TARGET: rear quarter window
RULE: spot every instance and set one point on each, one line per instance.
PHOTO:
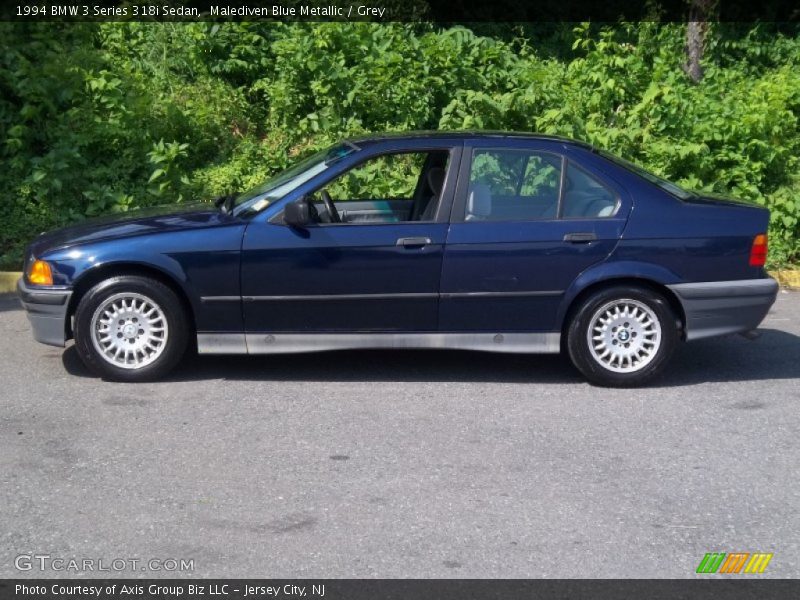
(585, 196)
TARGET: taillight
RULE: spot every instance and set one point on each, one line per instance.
(758, 251)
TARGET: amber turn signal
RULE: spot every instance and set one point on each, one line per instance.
(40, 274)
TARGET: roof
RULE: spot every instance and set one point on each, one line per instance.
(405, 135)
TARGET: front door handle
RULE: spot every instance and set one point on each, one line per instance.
(580, 238)
(413, 242)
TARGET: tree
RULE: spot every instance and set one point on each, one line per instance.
(696, 30)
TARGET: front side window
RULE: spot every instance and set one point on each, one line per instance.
(389, 188)
(513, 185)
(389, 176)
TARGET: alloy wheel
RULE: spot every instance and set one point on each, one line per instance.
(129, 330)
(624, 335)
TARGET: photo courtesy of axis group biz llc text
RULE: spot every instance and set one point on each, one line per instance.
(413, 300)
(175, 589)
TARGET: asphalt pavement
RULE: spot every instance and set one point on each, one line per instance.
(401, 463)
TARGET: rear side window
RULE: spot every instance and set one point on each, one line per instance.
(514, 185)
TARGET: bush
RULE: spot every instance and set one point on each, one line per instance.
(109, 117)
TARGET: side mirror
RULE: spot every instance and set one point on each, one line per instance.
(297, 214)
(225, 203)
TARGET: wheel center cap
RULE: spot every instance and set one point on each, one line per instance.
(129, 331)
(623, 335)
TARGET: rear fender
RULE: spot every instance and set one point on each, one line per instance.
(610, 271)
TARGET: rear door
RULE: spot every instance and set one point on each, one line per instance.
(526, 221)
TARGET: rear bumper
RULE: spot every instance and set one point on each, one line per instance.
(47, 313)
(721, 307)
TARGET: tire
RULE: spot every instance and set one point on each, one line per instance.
(131, 328)
(622, 336)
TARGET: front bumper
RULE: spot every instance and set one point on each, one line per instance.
(47, 312)
(721, 307)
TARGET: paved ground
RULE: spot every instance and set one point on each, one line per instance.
(401, 464)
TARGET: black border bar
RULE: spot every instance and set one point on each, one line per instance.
(731, 588)
(438, 11)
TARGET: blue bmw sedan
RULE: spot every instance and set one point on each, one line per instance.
(498, 242)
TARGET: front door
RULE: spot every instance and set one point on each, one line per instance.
(373, 266)
(526, 222)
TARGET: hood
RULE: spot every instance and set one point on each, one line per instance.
(137, 222)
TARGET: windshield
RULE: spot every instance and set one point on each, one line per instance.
(261, 196)
(665, 185)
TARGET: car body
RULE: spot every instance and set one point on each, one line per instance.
(471, 240)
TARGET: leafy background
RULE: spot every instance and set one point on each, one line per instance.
(107, 117)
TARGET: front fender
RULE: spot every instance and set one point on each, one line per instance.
(199, 263)
(72, 266)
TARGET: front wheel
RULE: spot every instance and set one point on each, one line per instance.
(622, 336)
(130, 328)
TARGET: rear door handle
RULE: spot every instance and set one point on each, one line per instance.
(413, 242)
(580, 238)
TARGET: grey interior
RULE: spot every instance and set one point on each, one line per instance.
(392, 210)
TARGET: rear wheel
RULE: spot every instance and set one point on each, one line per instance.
(130, 328)
(622, 336)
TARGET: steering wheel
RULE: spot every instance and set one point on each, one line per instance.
(329, 206)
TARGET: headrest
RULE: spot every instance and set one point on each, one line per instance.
(607, 211)
(479, 201)
(436, 180)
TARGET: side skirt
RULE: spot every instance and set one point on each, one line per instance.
(290, 343)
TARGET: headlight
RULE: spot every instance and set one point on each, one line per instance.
(39, 273)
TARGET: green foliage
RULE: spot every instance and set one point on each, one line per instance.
(391, 176)
(167, 178)
(109, 117)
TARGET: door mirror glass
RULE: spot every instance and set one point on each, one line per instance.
(297, 214)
